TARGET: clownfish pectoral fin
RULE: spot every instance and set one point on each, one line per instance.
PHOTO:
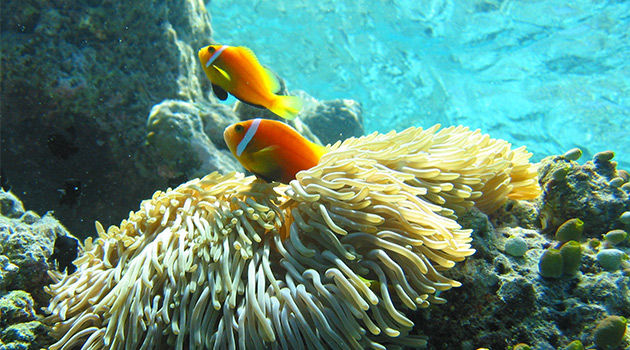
(219, 92)
(266, 153)
(224, 78)
(223, 73)
(266, 161)
(267, 166)
(287, 107)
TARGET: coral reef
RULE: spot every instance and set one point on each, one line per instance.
(333, 120)
(331, 260)
(20, 326)
(177, 131)
(27, 242)
(78, 82)
(505, 294)
(571, 190)
(76, 114)
(511, 303)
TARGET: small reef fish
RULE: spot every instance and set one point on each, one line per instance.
(236, 70)
(65, 252)
(272, 150)
(70, 193)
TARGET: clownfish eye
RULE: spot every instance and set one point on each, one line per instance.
(239, 128)
(211, 49)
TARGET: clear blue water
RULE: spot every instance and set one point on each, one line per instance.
(543, 74)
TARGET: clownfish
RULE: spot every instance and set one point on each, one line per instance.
(272, 150)
(236, 70)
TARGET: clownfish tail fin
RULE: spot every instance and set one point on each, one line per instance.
(287, 107)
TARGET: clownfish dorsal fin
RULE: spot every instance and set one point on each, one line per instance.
(270, 80)
(249, 54)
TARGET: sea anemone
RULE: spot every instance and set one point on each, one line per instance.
(331, 260)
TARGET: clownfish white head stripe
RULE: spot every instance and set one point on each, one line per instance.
(249, 135)
(216, 54)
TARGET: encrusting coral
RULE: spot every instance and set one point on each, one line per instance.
(329, 261)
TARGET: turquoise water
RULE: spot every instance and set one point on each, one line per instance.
(543, 74)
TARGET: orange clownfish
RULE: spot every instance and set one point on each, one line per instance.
(272, 150)
(236, 70)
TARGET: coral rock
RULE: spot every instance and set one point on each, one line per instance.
(584, 193)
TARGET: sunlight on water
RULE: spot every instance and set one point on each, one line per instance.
(544, 74)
